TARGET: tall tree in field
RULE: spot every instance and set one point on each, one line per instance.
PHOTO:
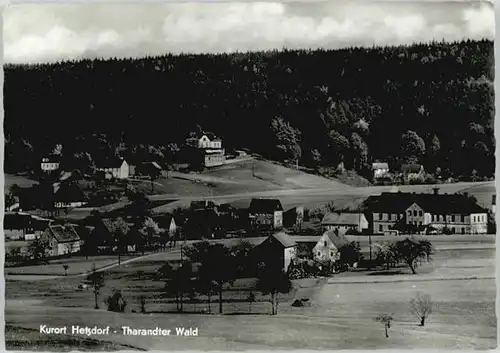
(273, 281)
(421, 307)
(97, 282)
(178, 282)
(410, 250)
(120, 230)
(150, 230)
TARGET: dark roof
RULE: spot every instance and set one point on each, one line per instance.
(107, 162)
(338, 240)
(280, 238)
(411, 168)
(68, 192)
(24, 221)
(343, 218)
(63, 234)
(398, 202)
(265, 206)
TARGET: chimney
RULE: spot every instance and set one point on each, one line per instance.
(435, 191)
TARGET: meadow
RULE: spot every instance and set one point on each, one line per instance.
(341, 315)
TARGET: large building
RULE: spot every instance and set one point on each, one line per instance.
(207, 150)
(266, 214)
(425, 213)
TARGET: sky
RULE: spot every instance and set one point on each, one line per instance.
(55, 32)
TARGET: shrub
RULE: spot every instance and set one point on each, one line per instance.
(116, 302)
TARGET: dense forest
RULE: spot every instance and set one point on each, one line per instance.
(429, 103)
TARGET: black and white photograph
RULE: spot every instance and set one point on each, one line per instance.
(249, 176)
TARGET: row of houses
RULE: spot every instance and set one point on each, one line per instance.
(204, 149)
(409, 172)
(424, 213)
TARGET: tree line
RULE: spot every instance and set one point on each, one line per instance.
(429, 103)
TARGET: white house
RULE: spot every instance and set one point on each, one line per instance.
(61, 240)
(23, 226)
(326, 250)
(380, 169)
(419, 213)
(344, 221)
(114, 168)
(49, 164)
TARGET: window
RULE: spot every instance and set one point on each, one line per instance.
(414, 213)
(420, 213)
(325, 244)
(380, 228)
(319, 253)
(331, 253)
(463, 230)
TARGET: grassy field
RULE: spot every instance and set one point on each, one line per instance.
(77, 265)
(341, 315)
(21, 181)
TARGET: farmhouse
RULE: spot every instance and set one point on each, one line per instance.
(23, 226)
(342, 222)
(68, 195)
(113, 168)
(380, 169)
(266, 214)
(277, 250)
(326, 250)
(412, 171)
(50, 163)
(410, 212)
(61, 240)
(209, 150)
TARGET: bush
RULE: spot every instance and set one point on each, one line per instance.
(116, 302)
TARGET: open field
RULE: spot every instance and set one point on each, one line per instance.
(340, 316)
(21, 181)
(77, 265)
(342, 196)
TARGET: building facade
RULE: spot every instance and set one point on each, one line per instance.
(114, 168)
(342, 222)
(427, 213)
(266, 214)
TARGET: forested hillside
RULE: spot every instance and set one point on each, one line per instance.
(431, 103)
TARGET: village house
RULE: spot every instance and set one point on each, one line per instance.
(23, 226)
(266, 214)
(380, 169)
(277, 251)
(342, 222)
(62, 240)
(412, 171)
(113, 168)
(50, 163)
(326, 250)
(209, 152)
(455, 213)
(68, 195)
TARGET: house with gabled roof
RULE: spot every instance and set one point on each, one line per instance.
(411, 212)
(266, 214)
(50, 163)
(113, 167)
(380, 169)
(412, 171)
(326, 250)
(208, 150)
(23, 226)
(345, 221)
(68, 195)
(61, 240)
(278, 250)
